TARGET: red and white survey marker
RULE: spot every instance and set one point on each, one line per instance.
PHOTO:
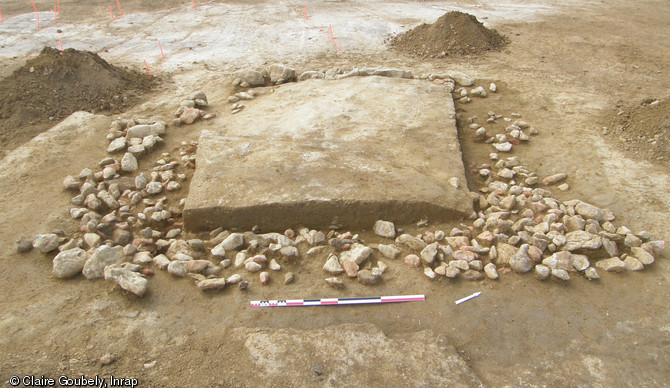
(336, 301)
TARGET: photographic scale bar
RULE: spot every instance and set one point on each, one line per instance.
(336, 301)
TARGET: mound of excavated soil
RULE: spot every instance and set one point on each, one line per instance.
(454, 33)
(643, 129)
(53, 85)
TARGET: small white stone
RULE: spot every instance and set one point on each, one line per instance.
(384, 229)
(274, 265)
(491, 271)
(503, 147)
(429, 273)
(252, 266)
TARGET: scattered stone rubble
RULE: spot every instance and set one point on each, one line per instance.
(126, 229)
(189, 110)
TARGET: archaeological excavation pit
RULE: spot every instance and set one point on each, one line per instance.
(322, 152)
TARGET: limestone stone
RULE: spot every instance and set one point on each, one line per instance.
(129, 162)
(102, 257)
(553, 179)
(310, 75)
(491, 271)
(613, 264)
(253, 78)
(472, 275)
(591, 274)
(542, 272)
(289, 251)
(429, 252)
(632, 241)
(366, 277)
(335, 282)
(161, 261)
(384, 229)
(580, 262)
(46, 242)
(505, 253)
(252, 266)
(280, 74)
(642, 255)
(231, 243)
(467, 256)
(389, 251)
(411, 241)
(560, 260)
(560, 274)
(610, 247)
(69, 263)
(520, 262)
(212, 284)
(580, 239)
(333, 265)
(412, 260)
(141, 131)
(126, 279)
(118, 144)
(358, 253)
(452, 272)
(589, 211)
(633, 264)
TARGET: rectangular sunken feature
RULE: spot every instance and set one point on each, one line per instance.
(319, 152)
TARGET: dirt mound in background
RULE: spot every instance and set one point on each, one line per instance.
(643, 129)
(454, 33)
(53, 85)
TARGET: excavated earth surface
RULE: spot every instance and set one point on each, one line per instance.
(642, 130)
(565, 70)
(55, 84)
(454, 33)
(314, 153)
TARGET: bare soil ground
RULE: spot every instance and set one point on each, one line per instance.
(454, 33)
(55, 84)
(642, 129)
(563, 72)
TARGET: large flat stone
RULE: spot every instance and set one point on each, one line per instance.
(350, 151)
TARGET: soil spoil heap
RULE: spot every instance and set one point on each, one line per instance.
(55, 84)
(454, 33)
(643, 129)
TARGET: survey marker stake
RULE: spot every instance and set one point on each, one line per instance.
(336, 301)
(467, 298)
(147, 66)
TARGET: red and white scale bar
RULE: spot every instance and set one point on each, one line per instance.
(336, 301)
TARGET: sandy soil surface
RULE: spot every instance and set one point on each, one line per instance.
(564, 71)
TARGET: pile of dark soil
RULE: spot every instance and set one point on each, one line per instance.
(53, 85)
(454, 33)
(643, 129)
